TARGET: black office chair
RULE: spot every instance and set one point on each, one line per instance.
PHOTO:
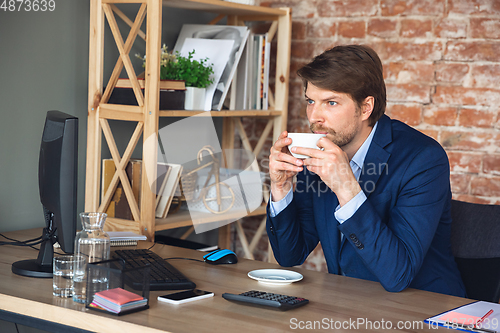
(475, 243)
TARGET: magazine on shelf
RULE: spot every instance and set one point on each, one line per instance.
(237, 34)
(218, 52)
(168, 190)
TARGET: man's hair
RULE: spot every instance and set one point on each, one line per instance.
(355, 70)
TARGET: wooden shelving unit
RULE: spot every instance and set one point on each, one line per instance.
(147, 113)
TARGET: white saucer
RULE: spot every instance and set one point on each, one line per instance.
(275, 276)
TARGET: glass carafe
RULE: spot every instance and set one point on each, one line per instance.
(92, 243)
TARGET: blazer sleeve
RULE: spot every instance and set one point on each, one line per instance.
(292, 233)
(393, 247)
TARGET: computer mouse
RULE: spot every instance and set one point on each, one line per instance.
(221, 256)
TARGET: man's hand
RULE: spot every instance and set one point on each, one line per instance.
(332, 165)
(282, 167)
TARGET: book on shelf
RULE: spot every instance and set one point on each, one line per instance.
(172, 181)
(253, 74)
(266, 64)
(117, 300)
(162, 174)
(237, 34)
(243, 78)
(119, 206)
(263, 49)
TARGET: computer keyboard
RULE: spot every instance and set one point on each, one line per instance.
(264, 299)
(163, 276)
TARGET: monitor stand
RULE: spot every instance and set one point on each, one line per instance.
(40, 267)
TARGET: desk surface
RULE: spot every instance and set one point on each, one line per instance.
(335, 301)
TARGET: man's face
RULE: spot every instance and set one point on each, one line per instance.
(334, 114)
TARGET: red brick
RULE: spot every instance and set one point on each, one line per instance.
(296, 108)
(384, 28)
(298, 30)
(466, 96)
(473, 51)
(296, 90)
(416, 28)
(316, 260)
(484, 28)
(430, 132)
(338, 8)
(491, 164)
(440, 115)
(323, 45)
(490, 7)
(409, 114)
(476, 118)
(401, 51)
(298, 125)
(460, 183)
(470, 141)
(485, 186)
(302, 49)
(451, 72)
(321, 29)
(412, 7)
(352, 29)
(408, 93)
(408, 72)
(295, 66)
(486, 76)
(464, 161)
(451, 28)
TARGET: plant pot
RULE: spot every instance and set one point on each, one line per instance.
(195, 98)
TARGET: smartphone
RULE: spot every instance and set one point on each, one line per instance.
(185, 296)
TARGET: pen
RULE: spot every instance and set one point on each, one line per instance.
(484, 317)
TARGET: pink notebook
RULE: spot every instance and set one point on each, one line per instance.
(119, 296)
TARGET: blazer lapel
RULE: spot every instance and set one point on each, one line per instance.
(375, 163)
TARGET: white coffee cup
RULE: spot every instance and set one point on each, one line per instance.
(307, 140)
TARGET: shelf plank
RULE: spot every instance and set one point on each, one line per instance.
(225, 7)
(183, 218)
(226, 113)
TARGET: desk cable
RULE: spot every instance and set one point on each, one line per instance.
(29, 242)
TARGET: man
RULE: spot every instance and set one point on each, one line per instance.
(377, 195)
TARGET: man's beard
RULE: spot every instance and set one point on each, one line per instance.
(340, 139)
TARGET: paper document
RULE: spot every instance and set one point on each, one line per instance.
(467, 318)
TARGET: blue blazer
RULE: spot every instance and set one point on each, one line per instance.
(400, 236)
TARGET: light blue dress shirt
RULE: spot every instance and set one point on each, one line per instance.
(345, 212)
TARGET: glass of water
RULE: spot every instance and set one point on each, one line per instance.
(62, 277)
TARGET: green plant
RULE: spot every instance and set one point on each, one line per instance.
(176, 67)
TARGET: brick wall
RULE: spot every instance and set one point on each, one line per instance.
(442, 70)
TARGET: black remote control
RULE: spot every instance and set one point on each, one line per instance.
(264, 299)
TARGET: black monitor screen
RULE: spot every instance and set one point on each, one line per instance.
(57, 180)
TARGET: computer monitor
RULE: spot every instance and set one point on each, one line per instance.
(57, 182)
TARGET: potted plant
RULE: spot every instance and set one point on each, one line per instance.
(196, 75)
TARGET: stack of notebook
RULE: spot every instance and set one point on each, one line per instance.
(118, 300)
